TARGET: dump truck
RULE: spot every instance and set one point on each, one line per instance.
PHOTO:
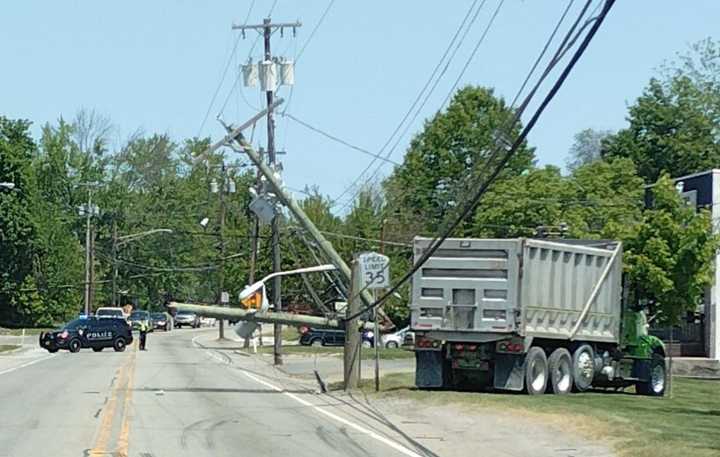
(531, 315)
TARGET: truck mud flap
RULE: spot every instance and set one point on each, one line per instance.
(509, 373)
(429, 369)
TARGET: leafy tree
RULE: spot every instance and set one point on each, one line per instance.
(17, 231)
(669, 260)
(599, 200)
(675, 124)
(517, 206)
(453, 144)
(586, 147)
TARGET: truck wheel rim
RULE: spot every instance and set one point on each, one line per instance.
(657, 379)
(585, 367)
(537, 370)
(562, 374)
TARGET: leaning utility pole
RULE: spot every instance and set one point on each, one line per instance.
(267, 28)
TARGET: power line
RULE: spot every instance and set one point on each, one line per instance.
(314, 30)
(473, 202)
(409, 124)
(336, 139)
(419, 109)
(224, 74)
(554, 60)
(472, 54)
(432, 76)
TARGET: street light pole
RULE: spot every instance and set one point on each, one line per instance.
(117, 242)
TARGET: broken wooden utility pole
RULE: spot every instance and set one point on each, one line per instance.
(221, 312)
(351, 356)
(274, 182)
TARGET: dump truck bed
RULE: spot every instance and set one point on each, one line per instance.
(484, 288)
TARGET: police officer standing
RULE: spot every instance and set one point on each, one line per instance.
(143, 334)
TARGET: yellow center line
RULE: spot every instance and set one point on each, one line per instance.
(124, 381)
(123, 439)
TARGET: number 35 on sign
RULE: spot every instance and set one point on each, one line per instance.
(375, 270)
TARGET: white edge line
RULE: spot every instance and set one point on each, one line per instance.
(10, 370)
(398, 447)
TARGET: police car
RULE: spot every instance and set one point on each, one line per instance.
(91, 332)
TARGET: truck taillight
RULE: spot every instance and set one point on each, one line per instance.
(459, 347)
(472, 347)
(510, 346)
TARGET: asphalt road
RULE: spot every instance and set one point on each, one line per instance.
(184, 396)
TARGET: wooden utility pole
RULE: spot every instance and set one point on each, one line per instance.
(221, 249)
(115, 262)
(267, 28)
(88, 256)
(351, 359)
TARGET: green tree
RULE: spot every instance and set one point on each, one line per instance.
(586, 147)
(453, 144)
(18, 233)
(669, 260)
(675, 124)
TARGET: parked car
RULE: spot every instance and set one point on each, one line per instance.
(368, 339)
(161, 320)
(109, 311)
(139, 317)
(322, 337)
(327, 337)
(397, 339)
(186, 319)
(208, 321)
(91, 332)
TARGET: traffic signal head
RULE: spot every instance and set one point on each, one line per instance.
(254, 301)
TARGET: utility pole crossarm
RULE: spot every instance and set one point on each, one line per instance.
(237, 131)
(275, 25)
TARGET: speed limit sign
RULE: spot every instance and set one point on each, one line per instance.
(375, 270)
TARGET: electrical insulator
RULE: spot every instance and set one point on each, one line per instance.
(231, 187)
(213, 186)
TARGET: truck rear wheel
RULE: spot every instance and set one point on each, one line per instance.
(560, 366)
(655, 385)
(583, 367)
(536, 371)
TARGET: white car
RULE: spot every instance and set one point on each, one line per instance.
(109, 311)
(395, 340)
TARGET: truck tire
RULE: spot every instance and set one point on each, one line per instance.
(560, 365)
(583, 367)
(655, 386)
(536, 371)
(74, 345)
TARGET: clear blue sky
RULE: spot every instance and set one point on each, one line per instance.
(156, 64)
